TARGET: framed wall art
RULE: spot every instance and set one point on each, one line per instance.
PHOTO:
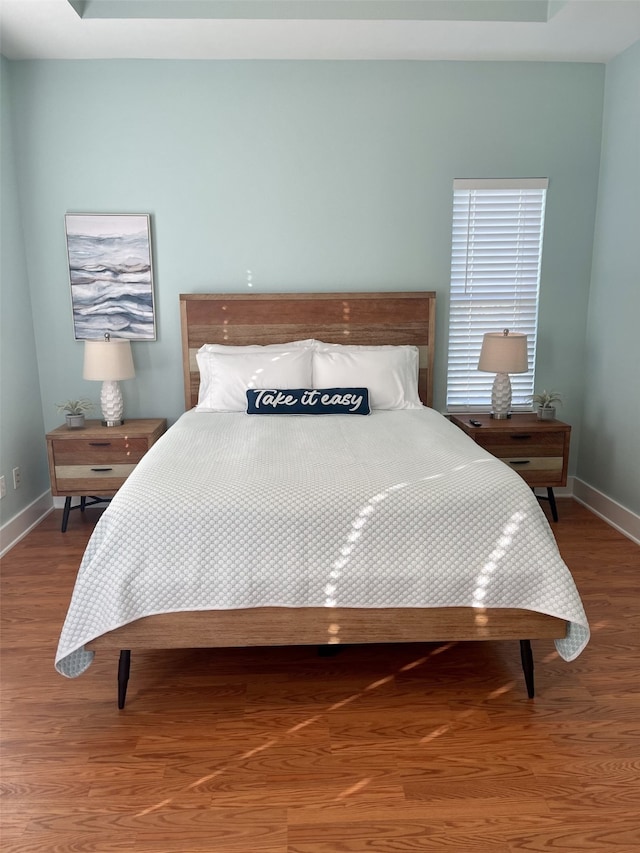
(111, 275)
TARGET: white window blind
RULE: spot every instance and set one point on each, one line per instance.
(495, 277)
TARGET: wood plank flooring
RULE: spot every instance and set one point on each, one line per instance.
(385, 749)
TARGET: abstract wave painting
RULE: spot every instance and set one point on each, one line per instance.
(111, 276)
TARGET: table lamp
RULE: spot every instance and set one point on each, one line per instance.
(109, 360)
(503, 353)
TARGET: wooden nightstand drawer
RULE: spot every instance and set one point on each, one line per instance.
(506, 444)
(99, 450)
(87, 479)
(542, 470)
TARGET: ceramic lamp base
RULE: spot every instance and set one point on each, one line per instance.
(501, 397)
(112, 403)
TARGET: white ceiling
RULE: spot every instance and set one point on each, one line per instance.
(571, 31)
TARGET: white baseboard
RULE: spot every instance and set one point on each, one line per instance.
(17, 527)
(618, 516)
(563, 491)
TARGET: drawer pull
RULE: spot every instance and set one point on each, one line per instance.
(100, 443)
(519, 461)
(521, 436)
(102, 469)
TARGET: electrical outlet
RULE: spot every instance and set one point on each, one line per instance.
(17, 478)
(3, 487)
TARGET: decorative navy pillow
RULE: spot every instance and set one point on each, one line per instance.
(308, 401)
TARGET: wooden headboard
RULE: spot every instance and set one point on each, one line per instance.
(336, 318)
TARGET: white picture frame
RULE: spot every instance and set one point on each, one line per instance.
(111, 275)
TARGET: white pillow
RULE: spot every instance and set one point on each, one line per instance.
(389, 372)
(225, 377)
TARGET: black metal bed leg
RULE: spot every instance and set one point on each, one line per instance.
(124, 666)
(330, 651)
(527, 666)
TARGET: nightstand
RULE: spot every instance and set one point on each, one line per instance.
(95, 460)
(538, 450)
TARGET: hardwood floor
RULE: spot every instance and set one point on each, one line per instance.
(385, 749)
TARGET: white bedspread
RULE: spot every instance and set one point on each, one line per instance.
(397, 509)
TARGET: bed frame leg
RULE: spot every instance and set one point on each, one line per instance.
(330, 651)
(527, 666)
(124, 666)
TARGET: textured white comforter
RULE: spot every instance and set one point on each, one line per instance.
(397, 509)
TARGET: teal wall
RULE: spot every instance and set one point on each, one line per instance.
(313, 175)
(609, 458)
(21, 424)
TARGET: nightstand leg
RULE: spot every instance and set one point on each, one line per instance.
(65, 513)
(124, 666)
(526, 656)
(551, 498)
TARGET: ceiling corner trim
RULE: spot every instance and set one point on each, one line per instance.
(522, 11)
(78, 7)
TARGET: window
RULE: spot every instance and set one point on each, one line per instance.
(495, 277)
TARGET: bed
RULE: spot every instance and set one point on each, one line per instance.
(269, 538)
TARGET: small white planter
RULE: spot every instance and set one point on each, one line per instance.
(547, 414)
(75, 421)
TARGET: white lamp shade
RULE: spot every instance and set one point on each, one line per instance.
(504, 353)
(108, 360)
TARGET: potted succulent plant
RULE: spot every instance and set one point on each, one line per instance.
(546, 402)
(74, 411)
